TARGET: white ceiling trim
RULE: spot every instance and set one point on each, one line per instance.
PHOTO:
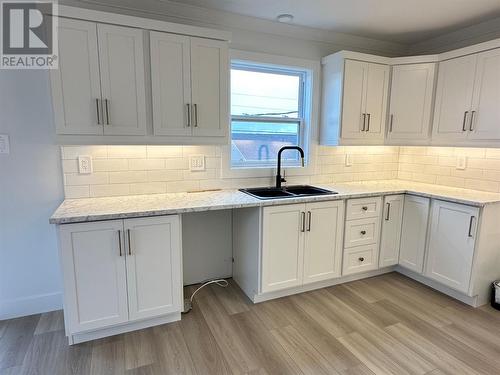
(198, 16)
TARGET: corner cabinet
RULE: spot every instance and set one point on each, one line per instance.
(354, 101)
(120, 271)
(414, 233)
(99, 88)
(189, 85)
(411, 103)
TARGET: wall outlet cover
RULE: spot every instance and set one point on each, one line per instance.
(85, 164)
(461, 162)
(197, 163)
(348, 160)
(4, 144)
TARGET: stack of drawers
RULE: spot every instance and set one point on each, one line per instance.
(362, 232)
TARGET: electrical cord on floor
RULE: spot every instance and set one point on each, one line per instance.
(188, 302)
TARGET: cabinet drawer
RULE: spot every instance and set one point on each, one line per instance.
(360, 259)
(363, 208)
(361, 232)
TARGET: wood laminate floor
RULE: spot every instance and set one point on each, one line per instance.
(384, 325)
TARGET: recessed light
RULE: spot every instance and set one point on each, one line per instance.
(285, 18)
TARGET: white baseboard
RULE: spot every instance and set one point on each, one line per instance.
(41, 303)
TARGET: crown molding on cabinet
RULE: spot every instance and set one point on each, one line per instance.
(142, 23)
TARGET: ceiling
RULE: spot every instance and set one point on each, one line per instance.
(402, 21)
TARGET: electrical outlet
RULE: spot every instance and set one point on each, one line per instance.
(461, 162)
(4, 144)
(85, 164)
(197, 162)
(348, 160)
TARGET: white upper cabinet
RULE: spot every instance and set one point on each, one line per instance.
(364, 101)
(485, 114)
(99, 87)
(354, 101)
(454, 98)
(391, 230)
(412, 92)
(190, 86)
(451, 244)
(76, 86)
(171, 83)
(121, 58)
(209, 87)
(414, 233)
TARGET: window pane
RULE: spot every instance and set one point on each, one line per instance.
(257, 143)
(255, 93)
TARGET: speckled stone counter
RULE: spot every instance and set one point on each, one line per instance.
(95, 209)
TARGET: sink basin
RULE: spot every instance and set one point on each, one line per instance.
(293, 191)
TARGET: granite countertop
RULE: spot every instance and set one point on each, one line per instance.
(95, 209)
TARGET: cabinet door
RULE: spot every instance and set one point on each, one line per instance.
(283, 230)
(411, 101)
(76, 88)
(377, 87)
(153, 266)
(93, 262)
(171, 83)
(209, 87)
(451, 244)
(486, 116)
(454, 98)
(414, 233)
(323, 243)
(353, 104)
(121, 57)
(391, 230)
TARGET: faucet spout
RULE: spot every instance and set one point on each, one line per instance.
(280, 179)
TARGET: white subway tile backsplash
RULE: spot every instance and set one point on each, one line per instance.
(123, 170)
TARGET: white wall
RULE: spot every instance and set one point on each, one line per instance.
(30, 189)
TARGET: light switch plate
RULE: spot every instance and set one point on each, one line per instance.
(197, 163)
(85, 164)
(461, 162)
(4, 144)
(348, 160)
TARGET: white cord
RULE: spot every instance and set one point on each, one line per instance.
(188, 306)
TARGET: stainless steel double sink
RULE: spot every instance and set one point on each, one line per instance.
(293, 191)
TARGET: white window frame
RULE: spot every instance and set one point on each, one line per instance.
(309, 129)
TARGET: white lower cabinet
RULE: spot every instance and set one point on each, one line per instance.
(391, 230)
(300, 244)
(451, 244)
(120, 271)
(414, 233)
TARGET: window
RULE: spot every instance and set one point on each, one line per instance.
(267, 113)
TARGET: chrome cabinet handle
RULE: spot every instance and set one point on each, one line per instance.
(195, 108)
(364, 121)
(303, 221)
(188, 115)
(129, 245)
(390, 123)
(120, 241)
(388, 211)
(471, 127)
(106, 101)
(368, 126)
(472, 218)
(464, 126)
(98, 112)
(309, 218)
